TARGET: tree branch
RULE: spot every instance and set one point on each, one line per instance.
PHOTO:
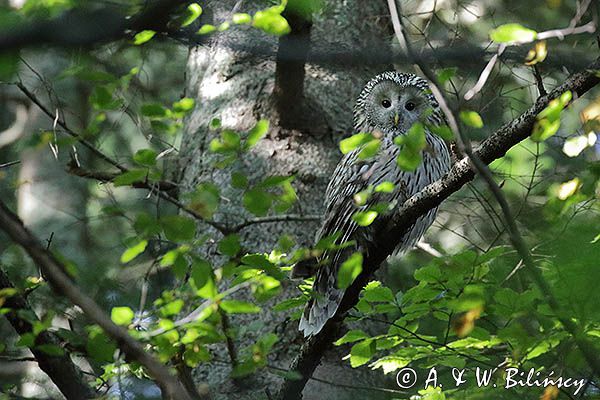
(60, 369)
(494, 147)
(54, 271)
(86, 28)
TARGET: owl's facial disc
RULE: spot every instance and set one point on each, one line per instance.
(394, 108)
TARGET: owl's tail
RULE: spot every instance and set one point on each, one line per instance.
(326, 297)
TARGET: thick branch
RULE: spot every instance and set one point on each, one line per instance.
(433, 195)
(62, 284)
(61, 370)
(85, 28)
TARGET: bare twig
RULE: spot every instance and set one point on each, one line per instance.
(9, 164)
(274, 218)
(64, 126)
(62, 284)
(485, 74)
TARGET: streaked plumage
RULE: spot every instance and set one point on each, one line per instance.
(382, 109)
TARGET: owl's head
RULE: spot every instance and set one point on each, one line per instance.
(392, 102)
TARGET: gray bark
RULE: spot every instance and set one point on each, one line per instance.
(238, 88)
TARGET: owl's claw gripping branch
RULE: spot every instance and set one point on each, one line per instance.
(494, 147)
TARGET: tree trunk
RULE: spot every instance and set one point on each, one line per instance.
(240, 88)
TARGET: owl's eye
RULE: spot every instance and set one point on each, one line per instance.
(386, 103)
(410, 106)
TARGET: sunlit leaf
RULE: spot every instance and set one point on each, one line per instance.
(471, 118)
(122, 315)
(238, 307)
(193, 11)
(537, 53)
(271, 21)
(355, 141)
(568, 188)
(512, 33)
(575, 145)
(364, 218)
(143, 37)
(349, 270)
(241, 19)
(133, 251)
(361, 353)
(548, 120)
(206, 29)
(385, 187)
(351, 336)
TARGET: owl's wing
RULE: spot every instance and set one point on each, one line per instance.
(351, 176)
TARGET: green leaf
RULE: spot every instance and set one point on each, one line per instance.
(9, 65)
(355, 141)
(257, 201)
(145, 157)
(184, 105)
(471, 118)
(548, 120)
(349, 270)
(513, 33)
(238, 307)
(376, 293)
(154, 110)
(122, 315)
(239, 180)
(129, 177)
(241, 19)
(133, 251)
(258, 132)
(194, 355)
(369, 149)
(271, 21)
(178, 228)
(99, 346)
(446, 74)
(51, 349)
(206, 29)
(102, 99)
(289, 304)
(201, 273)
(193, 11)
(442, 131)
(143, 37)
(229, 142)
(230, 245)
(205, 199)
(364, 218)
(351, 336)
(172, 308)
(411, 145)
(361, 353)
(385, 187)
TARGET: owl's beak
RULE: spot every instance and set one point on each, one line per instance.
(396, 119)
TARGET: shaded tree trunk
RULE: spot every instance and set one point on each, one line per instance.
(240, 88)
